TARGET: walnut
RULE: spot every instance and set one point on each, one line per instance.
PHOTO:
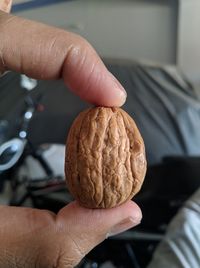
(105, 161)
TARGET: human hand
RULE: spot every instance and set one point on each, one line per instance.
(5, 5)
(39, 238)
(44, 52)
(36, 238)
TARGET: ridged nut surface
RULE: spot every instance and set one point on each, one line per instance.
(105, 161)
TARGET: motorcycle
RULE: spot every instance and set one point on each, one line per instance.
(47, 188)
(16, 152)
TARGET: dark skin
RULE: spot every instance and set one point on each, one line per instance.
(38, 238)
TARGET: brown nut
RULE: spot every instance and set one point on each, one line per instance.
(105, 161)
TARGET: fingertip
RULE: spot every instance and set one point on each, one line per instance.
(131, 210)
(120, 90)
(87, 76)
(101, 219)
(111, 92)
(91, 226)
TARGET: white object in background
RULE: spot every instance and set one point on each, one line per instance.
(13, 149)
(28, 83)
(54, 154)
(180, 246)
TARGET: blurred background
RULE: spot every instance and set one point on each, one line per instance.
(153, 48)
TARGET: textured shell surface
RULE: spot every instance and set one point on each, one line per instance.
(105, 161)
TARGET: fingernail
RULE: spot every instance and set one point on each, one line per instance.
(117, 83)
(123, 226)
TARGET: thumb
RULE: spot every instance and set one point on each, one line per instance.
(86, 228)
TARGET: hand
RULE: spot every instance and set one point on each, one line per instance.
(39, 238)
(5, 5)
(36, 238)
(44, 52)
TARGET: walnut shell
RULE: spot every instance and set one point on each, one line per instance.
(105, 161)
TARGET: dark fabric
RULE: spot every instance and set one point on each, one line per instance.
(165, 107)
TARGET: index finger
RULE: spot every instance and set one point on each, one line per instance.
(44, 52)
(5, 5)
